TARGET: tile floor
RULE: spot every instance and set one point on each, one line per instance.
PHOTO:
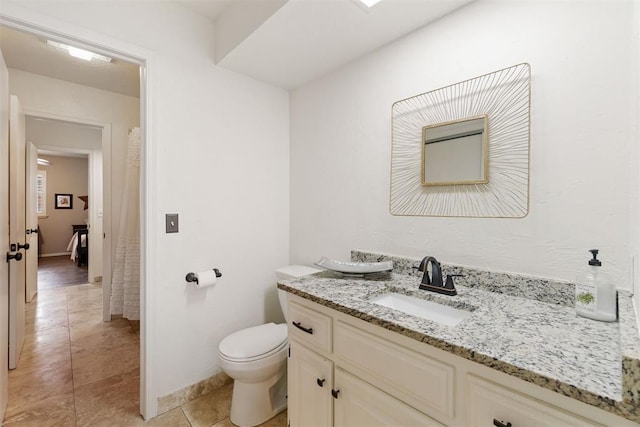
(76, 370)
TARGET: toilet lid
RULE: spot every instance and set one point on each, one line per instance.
(254, 341)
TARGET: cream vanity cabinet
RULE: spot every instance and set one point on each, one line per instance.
(488, 401)
(323, 394)
(343, 371)
(310, 381)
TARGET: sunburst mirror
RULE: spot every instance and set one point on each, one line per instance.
(463, 150)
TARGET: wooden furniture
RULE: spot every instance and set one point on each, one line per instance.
(343, 371)
(82, 250)
(82, 247)
(78, 227)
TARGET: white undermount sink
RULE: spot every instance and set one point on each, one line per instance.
(435, 312)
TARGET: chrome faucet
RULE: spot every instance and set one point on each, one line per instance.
(434, 282)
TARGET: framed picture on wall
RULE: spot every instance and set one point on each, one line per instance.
(64, 201)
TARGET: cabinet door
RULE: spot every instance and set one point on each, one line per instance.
(358, 403)
(489, 402)
(309, 388)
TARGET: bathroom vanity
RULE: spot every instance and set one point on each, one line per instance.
(513, 361)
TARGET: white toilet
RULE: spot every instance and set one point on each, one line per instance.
(256, 358)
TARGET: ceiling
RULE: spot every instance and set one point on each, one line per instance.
(287, 44)
(27, 52)
(211, 9)
(306, 39)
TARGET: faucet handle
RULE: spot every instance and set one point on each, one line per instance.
(423, 264)
(449, 282)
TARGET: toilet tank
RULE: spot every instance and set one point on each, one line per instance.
(291, 272)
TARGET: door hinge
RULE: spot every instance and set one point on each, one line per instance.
(289, 351)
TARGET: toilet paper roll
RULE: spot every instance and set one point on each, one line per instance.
(206, 279)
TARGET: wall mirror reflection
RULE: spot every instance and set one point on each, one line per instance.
(456, 152)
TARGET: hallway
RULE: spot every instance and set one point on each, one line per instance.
(76, 370)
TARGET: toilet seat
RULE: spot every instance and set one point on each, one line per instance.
(254, 343)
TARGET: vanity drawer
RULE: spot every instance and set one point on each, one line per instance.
(422, 382)
(310, 326)
(488, 402)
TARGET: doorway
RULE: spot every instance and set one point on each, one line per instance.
(141, 109)
(70, 162)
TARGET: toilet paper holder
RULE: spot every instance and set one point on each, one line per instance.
(192, 277)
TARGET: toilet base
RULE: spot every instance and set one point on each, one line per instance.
(255, 403)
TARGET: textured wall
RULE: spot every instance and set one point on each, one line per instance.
(583, 159)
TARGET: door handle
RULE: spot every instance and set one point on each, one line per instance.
(17, 256)
(25, 246)
(31, 230)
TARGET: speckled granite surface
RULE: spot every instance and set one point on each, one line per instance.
(545, 290)
(540, 342)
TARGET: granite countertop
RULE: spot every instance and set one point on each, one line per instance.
(543, 343)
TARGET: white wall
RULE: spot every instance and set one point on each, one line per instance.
(222, 163)
(635, 179)
(63, 135)
(584, 152)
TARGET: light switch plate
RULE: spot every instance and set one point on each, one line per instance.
(171, 223)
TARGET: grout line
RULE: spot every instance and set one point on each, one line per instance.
(184, 414)
(73, 379)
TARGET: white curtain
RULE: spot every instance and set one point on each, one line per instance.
(125, 283)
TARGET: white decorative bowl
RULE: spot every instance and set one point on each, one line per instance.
(354, 267)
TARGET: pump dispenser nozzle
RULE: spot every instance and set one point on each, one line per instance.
(595, 261)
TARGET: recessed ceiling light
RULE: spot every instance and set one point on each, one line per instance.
(369, 3)
(79, 53)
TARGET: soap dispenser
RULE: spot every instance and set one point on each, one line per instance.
(596, 296)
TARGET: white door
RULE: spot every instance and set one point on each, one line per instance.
(4, 232)
(17, 235)
(31, 222)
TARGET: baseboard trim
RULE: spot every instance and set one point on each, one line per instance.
(193, 391)
(56, 254)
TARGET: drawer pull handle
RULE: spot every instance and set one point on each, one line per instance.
(334, 393)
(320, 382)
(302, 328)
(501, 424)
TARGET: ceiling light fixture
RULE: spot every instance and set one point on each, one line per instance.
(76, 52)
(44, 162)
(369, 3)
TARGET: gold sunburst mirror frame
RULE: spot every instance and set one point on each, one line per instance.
(503, 97)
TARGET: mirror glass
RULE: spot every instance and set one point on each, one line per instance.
(456, 152)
